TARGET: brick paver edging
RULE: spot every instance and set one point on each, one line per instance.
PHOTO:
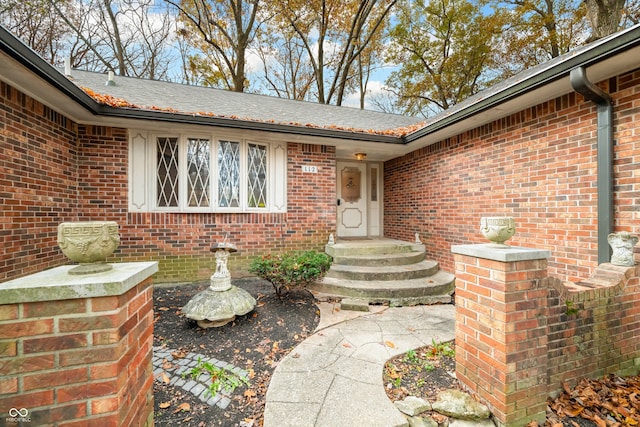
(199, 387)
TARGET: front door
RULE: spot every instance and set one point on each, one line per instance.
(352, 199)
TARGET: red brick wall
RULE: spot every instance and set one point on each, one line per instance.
(37, 183)
(53, 170)
(181, 242)
(81, 361)
(593, 327)
(501, 346)
(537, 165)
(520, 334)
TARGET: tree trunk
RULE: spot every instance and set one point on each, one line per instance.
(604, 16)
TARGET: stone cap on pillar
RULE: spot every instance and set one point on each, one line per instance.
(510, 254)
(58, 284)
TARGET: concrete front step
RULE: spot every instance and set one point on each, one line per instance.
(417, 270)
(402, 258)
(434, 289)
(352, 248)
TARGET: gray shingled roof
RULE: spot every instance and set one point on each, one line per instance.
(223, 103)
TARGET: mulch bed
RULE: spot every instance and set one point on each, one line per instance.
(255, 342)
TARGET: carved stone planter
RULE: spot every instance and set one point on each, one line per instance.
(622, 245)
(89, 243)
(497, 229)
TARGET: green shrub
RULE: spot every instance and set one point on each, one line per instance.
(291, 269)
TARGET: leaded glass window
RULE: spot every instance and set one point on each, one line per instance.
(198, 172)
(257, 176)
(228, 174)
(167, 172)
(205, 173)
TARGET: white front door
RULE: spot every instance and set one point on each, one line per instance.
(352, 199)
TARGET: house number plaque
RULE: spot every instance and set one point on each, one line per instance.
(309, 169)
(350, 185)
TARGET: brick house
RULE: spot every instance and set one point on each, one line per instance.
(180, 167)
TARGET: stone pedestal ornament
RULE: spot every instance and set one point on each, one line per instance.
(88, 243)
(221, 302)
(497, 229)
(622, 245)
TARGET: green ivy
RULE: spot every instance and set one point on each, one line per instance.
(292, 269)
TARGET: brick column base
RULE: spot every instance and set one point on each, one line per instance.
(76, 350)
(501, 342)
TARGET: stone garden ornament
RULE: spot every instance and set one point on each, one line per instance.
(221, 302)
(622, 245)
(497, 229)
(89, 243)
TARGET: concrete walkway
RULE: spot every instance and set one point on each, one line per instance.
(334, 377)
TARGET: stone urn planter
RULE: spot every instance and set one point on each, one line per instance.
(88, 243)
(497, 229)
(622, 247)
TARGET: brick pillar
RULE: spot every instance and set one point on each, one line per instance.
(76, 350)
(501, 340)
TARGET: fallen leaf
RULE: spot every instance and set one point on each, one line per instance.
(167, 366)
(573, 411)
(599, 421)
(390, 344)
(346, 345)
(163, 308)
(249, 393)
(178, 354)
(164, 405)
(165, 378)
(183, 407)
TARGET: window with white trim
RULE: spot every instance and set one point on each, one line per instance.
(205, 173)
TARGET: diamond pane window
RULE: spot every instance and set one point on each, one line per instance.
(257, 176)
(198, 172)
(167, 172)
(229, 174)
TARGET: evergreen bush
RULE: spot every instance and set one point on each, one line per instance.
(291, 269)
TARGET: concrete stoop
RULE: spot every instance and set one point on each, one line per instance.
(385, 271)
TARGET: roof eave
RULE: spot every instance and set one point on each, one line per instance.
(178, 118)
(33, 62)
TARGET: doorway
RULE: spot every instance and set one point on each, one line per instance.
(359, 204)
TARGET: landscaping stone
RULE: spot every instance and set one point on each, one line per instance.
(354, 304)
(421, 422)
(460, 405)
(412, 405)
(468, 423)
